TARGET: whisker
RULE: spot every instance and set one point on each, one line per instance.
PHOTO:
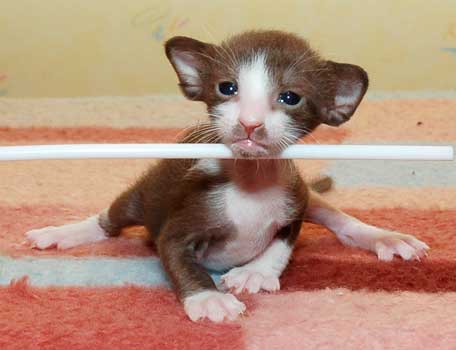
(197, 135)
(311, 136)
(223, 52)
(215, 115)
(213, 59)
(232, 55)
(294, 130)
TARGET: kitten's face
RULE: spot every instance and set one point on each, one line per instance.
(265, 90)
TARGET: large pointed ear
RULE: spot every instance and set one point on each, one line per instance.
(347, 85)
(189, 58)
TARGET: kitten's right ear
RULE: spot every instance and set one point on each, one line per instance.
(189, 58)
(345, 87)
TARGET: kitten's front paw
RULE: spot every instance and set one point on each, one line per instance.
(240, 279)
(390, 243)
(214, 305)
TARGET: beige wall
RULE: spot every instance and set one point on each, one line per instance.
(114, 47)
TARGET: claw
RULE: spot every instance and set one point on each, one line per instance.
(242, 279)
(390, 243)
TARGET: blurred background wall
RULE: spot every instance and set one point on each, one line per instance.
(55, 48)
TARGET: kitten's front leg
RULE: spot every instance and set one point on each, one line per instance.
(263, 272)
(353, 232)
(193, 285)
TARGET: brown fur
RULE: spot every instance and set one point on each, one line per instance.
(295, 67)
(169, 201)
(170, 198)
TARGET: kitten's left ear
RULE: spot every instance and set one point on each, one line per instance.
(190, 59)
(347, 85)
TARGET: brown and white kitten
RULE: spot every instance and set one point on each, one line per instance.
(264, 90)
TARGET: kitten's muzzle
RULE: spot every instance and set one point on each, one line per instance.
(250, 127)
(249, 148)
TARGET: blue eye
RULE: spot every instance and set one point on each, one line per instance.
(228, 88)
(289, 98)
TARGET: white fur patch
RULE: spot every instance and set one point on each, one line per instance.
(249, 210)
(256, 215)
(279, 124)
(67, 236)
(274, 260)
(254, 91)
(353, 232)
(208, 166)
(254, 82)
(214, 305)
(227, 117)
(263, 272)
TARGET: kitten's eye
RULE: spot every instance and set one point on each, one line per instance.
(228, 88)
(289, 98)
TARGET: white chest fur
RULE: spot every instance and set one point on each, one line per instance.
(256, 217)
(249, 211)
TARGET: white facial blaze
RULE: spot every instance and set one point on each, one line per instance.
(254, 90)
(253, 105)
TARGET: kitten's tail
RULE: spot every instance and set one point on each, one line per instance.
(321, 184)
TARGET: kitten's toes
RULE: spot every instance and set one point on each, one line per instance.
(242, 279)
(394, 243)
(214, 305)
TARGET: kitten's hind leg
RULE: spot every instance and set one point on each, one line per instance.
(125, 211)
(67, 236)
(263, 272)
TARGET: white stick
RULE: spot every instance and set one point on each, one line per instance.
(86, 151)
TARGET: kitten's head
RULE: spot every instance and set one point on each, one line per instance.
(265, 89)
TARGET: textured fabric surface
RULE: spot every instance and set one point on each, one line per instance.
(113, 294)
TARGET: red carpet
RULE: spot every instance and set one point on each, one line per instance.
(332, 297)
(319, 260)
(104, 318)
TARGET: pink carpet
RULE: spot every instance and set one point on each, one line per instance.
(332, 297)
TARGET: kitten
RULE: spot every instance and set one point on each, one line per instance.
(264, 90)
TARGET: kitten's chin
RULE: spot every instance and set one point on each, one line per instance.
(249, 149)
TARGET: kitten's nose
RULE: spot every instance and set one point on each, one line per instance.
(250, 127)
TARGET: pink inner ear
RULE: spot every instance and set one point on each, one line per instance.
(348, 94)
(189, 58)
(352, 82)
(186, 66)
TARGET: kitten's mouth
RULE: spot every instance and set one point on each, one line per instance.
(248, 148)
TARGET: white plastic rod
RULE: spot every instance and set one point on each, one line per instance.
(181, 150)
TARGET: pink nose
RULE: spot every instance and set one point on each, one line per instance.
(250, 127)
